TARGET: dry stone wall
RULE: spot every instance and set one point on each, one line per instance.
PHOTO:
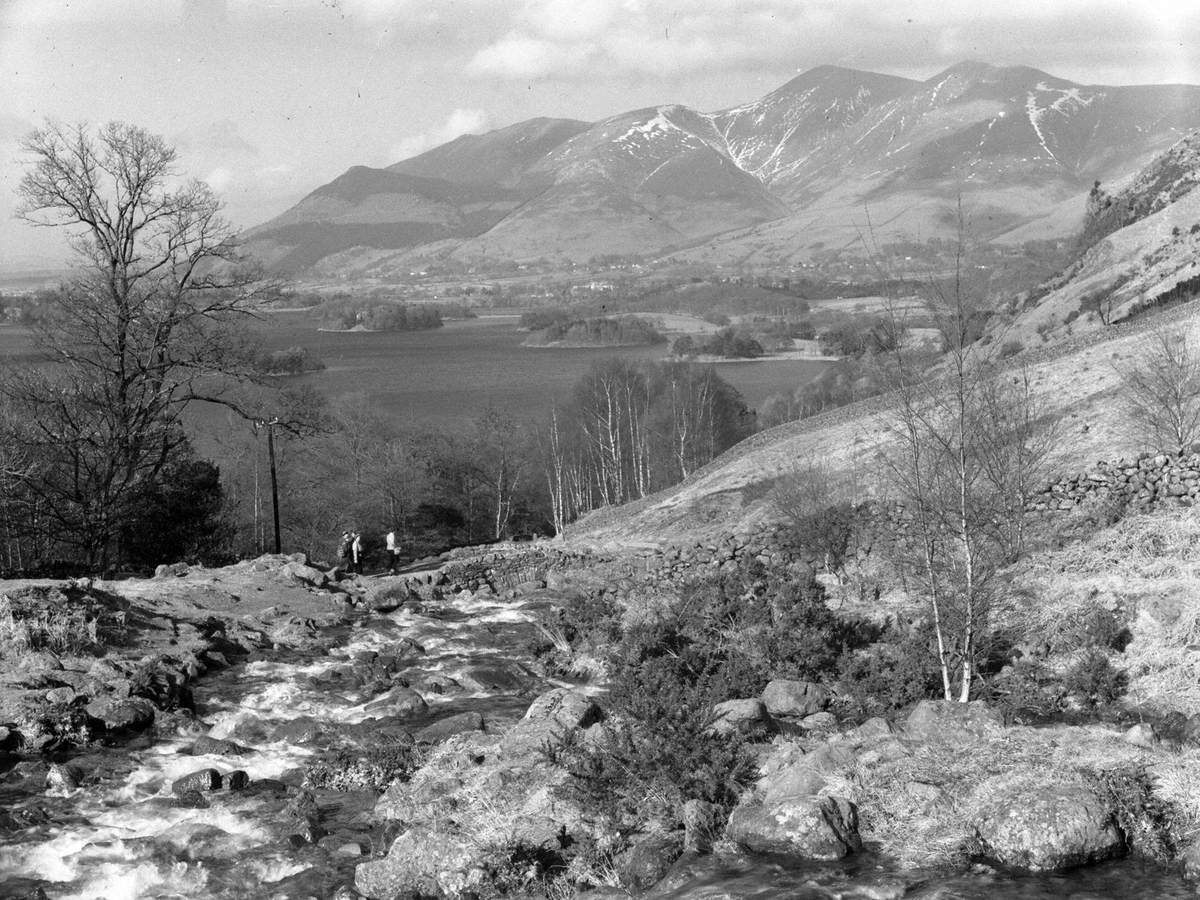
(1142, 482)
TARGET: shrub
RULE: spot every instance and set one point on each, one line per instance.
(1094, 681)
(1010, 349)
(887, 676)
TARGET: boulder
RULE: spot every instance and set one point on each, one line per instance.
(399, 701)
(1142, 735)
(794, 698)
(306, 574)
(202, 781)
(1042, 827)
(422, 862)
(132, 714)
(508, 678)
(171, 570)
(548, 720)
(62, 779)
(945, 720)
(460, 723)
(816, 828)
(647, 862)
(205, 745)
(740, 715)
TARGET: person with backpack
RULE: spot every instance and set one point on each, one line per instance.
(343, 551)
(356, 553)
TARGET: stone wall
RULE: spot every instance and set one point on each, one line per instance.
(1143, 482)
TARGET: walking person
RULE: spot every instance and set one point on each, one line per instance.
(343, 551)
(356, 552)
(393, 552)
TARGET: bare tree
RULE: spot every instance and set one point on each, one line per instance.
(819, 503)
(144, 328)
(969, 453)
(1162, 391)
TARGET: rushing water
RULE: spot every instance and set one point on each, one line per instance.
(123, 833)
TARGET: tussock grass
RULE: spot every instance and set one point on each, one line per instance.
(31, 623)
(1144, 573)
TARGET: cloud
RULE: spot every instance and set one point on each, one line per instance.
(577, 40)
(519, 57)
(459, 122)
(220, 179)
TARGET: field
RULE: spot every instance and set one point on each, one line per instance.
(449, 375)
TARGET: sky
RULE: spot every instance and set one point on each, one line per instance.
(268, 99)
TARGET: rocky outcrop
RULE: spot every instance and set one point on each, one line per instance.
(946, 720)
(478, 791)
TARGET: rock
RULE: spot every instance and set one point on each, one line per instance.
(649, 859)
(699, 826)
(206, 745)
(549, 719)
(821, 721)
(60, 695)
(301, 730)
(740, 715)
(1043, 827)
(874, 727)
(305, 574)
(10, 739)
(133, 714)
(61, 779)
(797, 779)
(399, 701)
(205, 780)
(171, 570)
(945, 720)
(460, 723)
(508, 678)
(423, 862)
(1190, 857)
(237, 780)
(794, 698)
(817, 828)
(1142, 735)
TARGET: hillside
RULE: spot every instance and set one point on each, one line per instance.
(777, 180)
(1075, 384)
(1142, 247)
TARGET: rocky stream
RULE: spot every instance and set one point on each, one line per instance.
(271, 788)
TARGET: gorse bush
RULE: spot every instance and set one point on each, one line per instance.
(719, 639)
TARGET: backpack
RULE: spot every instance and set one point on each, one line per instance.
(344, 548)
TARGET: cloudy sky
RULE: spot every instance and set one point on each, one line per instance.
(267, 99)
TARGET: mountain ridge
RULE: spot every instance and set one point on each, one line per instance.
(772, 181)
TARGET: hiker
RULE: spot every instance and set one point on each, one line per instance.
(356, 553)
(343, 551)
(393, 553)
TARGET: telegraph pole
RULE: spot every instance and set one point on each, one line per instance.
(270, 426)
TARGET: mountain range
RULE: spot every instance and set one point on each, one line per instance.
(831, 160)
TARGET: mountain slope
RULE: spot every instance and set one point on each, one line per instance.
(733, 493)
(1144, 244)
(811, 166)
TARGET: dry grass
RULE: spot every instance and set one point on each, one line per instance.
(1145, 572)
(29, 625)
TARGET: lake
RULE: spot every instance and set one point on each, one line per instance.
(448, 376)
(451, 374)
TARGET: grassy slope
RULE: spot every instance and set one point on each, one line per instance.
(1076, 382)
